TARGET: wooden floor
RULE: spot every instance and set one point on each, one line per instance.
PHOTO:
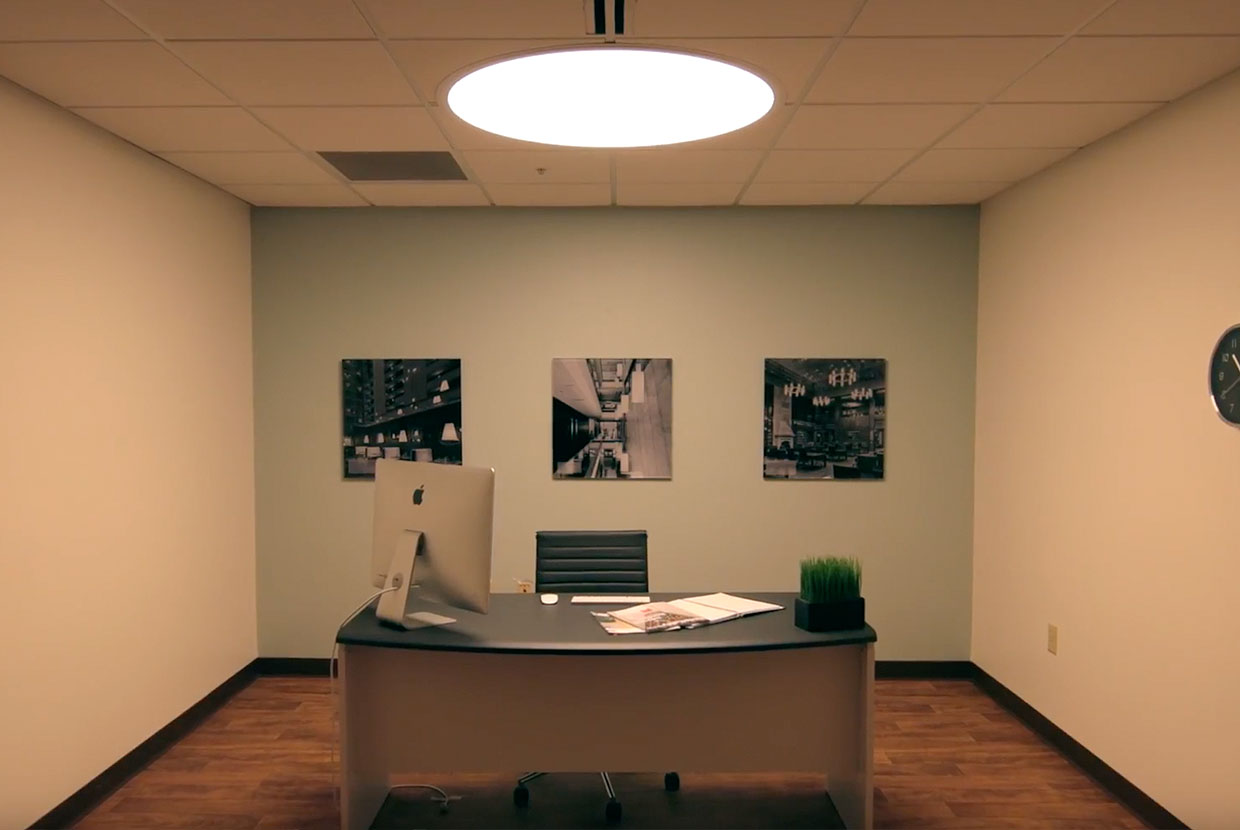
(946, 756)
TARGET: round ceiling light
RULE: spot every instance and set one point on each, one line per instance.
(610, 97)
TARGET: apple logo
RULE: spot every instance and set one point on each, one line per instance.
(417, 494)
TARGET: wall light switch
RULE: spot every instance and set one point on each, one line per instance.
(1052, 639)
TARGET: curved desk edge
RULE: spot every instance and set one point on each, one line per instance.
(519, 624)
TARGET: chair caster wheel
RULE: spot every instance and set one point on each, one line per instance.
(612, 811)
(671, 782)
(521, 795)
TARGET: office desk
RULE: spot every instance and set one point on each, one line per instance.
(531, 686)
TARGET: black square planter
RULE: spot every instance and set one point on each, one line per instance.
(830, 616)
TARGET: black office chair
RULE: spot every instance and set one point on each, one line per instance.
(590, 562)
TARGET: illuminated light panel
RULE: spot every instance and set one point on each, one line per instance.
(610, 97)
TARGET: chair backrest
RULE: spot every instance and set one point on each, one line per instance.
(591, 562)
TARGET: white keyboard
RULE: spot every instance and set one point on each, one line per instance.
(609, 599)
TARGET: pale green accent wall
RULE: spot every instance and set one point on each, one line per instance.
(715, 290)
(1107, 486)
(127, 494)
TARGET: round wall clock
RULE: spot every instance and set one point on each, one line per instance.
(1225, 376)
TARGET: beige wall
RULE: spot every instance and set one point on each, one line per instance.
(1108, 491)
(126, 533)
(715, 290)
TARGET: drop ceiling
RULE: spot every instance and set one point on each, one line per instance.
(878, 101)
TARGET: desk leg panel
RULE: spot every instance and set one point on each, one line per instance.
(850, 771)
(364, 780)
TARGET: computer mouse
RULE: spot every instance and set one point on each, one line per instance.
(549, 599)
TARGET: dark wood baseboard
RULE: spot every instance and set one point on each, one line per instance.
(93, 793)
(923, 669)
(1149, 810)
(295, 666)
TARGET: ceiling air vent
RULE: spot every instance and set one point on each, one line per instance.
(419, 166)
(605, 17)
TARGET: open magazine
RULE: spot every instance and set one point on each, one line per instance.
(689, 612)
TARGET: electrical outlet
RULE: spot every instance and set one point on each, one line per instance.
(525, 586)
(1052, 638)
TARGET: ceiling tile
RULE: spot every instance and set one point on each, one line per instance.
(786, 62)
(186, 128)
(297, 195)
(659, 194)
(935, 193)
(1044, 125)
(1161, 17)
(64, 20)
(478, 18)
(757, 136)
(839, 126)
(430, 63)
(355, 128)
(105, 74)
(930, 70)
(832, 165)
(738, 18)
(464, 136)
(955, 18)
(521, 166)
(668, 166)
(411, 194)
(315, 73)
(251, 168)
(551, 195)
(1127, 69)
(249, 19)
(981, 165)
(806, 193)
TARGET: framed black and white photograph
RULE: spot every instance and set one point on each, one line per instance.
(400, 408)
(611, 417)
(824, 418)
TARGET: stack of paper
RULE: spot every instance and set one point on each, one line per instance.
(689, 612)
(719, 607)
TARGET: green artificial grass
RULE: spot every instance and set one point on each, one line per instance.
(830, 579)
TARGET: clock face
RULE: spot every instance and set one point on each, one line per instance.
(1225, 376)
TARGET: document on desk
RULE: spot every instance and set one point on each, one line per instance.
(614, 626)
(690, 612)
(658, 616)
(722, 607)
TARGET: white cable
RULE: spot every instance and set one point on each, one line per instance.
(444, 799)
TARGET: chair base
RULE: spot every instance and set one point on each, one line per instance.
(612, 810)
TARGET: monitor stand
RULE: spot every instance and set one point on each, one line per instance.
(424, 619)
(393, 603)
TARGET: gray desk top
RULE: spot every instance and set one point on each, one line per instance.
(520, 624)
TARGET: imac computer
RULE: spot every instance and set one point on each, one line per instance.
(432, 534)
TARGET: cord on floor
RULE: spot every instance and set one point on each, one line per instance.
(444, 800)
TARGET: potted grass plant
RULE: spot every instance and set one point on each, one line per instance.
(830, 597)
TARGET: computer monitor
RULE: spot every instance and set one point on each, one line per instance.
(432, 533)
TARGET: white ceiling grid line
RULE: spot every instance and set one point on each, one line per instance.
(815, 73)
(879, 101)
(997, 94)
(313, 158)
(422, 99)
